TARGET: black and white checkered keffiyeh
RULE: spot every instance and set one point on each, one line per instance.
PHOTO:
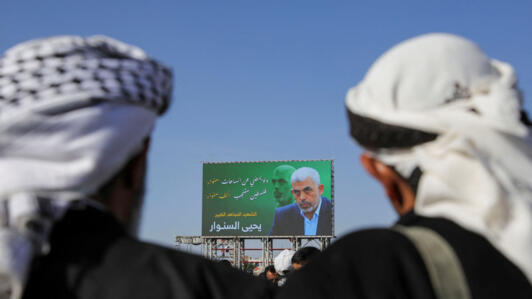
(73, 111)
(48, 70)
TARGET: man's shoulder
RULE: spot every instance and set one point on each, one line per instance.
(288, 209)
(368, 261)
(145, 252)
(104, 262)
(325, 202)
(377, 249)
(169, 273)
(372, 238)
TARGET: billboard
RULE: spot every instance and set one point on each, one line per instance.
(259, 199)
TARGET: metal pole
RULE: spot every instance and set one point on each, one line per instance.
(208, 246)
(236, 253)
(242, 245)
(204, 245)
(270, 251)
(264, 257)
(324, 243)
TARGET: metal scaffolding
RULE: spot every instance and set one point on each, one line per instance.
(233, 248)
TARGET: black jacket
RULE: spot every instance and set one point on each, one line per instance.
(288, 221)
(93, 257)
(382, 263)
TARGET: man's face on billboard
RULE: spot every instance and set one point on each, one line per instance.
(307, 195)
(281, 185)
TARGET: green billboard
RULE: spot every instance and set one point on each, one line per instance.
(278, 198)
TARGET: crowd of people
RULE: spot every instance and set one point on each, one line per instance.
(441, 123)
(286, 263)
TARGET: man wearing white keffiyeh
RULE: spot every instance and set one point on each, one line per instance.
(75, 119)
(446, 137)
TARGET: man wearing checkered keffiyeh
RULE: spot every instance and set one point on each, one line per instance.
(75, 119)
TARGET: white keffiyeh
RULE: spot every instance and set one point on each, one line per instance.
(73, 111)
(478, 171)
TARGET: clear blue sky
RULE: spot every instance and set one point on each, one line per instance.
(266, 80)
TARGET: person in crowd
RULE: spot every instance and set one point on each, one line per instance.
(281, 185)
(311, 214)
(446, 136)
(283, 265)
(303, 255)
(76, 116)
(258, 271)
(271, 274)
(226, 263)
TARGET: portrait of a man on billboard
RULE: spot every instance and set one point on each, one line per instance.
(311, 214)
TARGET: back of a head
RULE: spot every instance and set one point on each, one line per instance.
(282, 261)
(441, 112)
(73, 111)
(304, 255)
(270, 268)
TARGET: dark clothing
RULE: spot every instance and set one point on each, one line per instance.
(288, 221)
(382, 263)
(92, 257)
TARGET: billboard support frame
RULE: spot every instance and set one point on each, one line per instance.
(236, 245)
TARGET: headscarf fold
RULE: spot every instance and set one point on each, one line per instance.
(477, 170)
(73, 111)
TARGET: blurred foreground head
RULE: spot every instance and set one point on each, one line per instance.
(75, 118)
(303, 255)
(445, 134)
